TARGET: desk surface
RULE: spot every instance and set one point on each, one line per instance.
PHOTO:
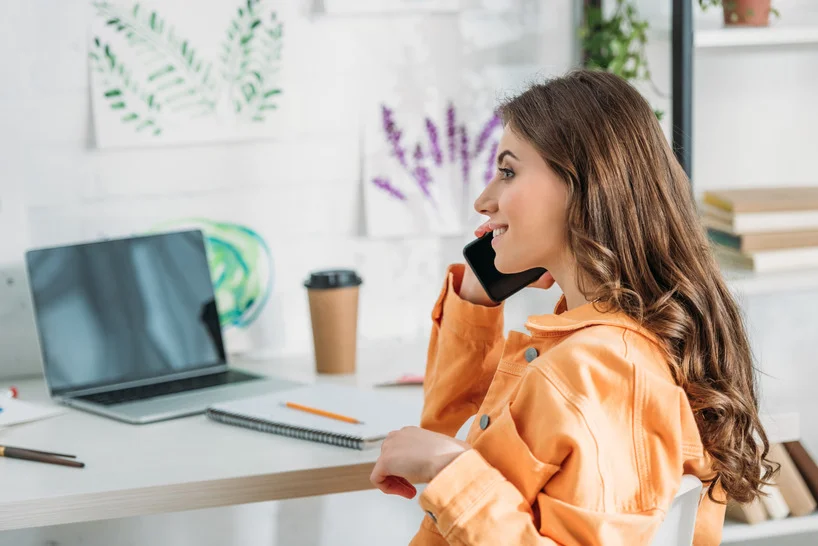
(187, 463)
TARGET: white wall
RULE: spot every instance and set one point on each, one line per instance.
(301, 192)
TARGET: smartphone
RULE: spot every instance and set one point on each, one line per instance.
(479, 255)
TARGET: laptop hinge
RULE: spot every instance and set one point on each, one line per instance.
(219, 368)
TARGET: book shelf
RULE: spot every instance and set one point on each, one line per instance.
(781, 427)
(736, 533)
(746, 282)
(710, 34)
(690, 36)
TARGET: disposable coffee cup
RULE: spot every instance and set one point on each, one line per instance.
(333, 297)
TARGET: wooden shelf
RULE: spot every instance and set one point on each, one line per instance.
(708, 35)
(747, 282)
(746, 36)
(735, 532)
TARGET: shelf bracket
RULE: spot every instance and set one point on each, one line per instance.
(682, 83)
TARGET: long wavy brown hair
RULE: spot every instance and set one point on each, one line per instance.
(640, 248)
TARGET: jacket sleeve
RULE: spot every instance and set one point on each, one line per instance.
(548, 470)
(464, 350)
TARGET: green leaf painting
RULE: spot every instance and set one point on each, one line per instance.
(152, 74)
(123, 93)
(251, 48)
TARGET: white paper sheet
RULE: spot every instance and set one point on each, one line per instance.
(16, 411)
(168, 72)
(423, 168)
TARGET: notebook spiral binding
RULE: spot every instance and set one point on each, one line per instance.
(341, 440)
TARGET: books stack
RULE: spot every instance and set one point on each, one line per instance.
(792, 492)
(763, 229)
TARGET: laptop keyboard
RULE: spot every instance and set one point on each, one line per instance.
(172, 387)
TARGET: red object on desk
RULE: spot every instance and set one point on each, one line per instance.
(405, 379)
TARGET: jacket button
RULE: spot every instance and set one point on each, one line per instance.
(431, 515)
(530, 354)
(484, 422)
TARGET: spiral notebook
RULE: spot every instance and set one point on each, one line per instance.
(381, 413)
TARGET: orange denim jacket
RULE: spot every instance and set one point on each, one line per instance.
(581, 436)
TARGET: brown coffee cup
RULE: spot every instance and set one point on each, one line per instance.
(333, 298)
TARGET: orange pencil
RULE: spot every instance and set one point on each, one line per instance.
(322, 413)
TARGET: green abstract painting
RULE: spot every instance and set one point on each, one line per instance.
(241, 267)
(183, 71)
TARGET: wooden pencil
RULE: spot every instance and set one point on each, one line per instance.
(38, 456)
(45, 452)
(323, 413)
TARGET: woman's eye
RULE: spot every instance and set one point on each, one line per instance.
(506, 173)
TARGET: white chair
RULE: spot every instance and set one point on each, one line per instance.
(680, 522)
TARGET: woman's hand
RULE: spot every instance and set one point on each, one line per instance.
(413, 455)
(472, 291)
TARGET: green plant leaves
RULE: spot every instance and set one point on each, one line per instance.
(617, 43)
(705, 4)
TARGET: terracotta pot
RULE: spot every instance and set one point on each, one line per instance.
(754, 13)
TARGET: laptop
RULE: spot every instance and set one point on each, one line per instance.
(128, 328)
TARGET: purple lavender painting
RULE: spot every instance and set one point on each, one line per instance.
(423, 170)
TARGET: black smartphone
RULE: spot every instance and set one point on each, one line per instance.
(479, 256)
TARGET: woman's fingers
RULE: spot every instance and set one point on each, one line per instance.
(378, 477)
(391, 485)
(399, 486)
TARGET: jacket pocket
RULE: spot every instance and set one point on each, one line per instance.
(501, 446)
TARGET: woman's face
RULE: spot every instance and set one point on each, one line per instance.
(526, 205)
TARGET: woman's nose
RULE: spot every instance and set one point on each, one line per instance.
(486, 202)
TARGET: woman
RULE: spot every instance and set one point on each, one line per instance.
(643, 373)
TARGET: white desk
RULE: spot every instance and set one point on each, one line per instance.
(183, 464)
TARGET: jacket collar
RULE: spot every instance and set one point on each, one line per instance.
(565, 321)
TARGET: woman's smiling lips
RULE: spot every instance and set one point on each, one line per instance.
(498, 234)
(489, 226)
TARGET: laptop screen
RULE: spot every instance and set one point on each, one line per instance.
(123, 310)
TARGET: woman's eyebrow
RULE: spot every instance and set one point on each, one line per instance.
(505, 153)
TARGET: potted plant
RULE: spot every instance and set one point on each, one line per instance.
(754, 13)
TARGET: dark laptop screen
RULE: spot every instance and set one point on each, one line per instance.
(123, 310)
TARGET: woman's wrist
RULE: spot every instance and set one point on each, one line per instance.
(477, 299)
(437, 464)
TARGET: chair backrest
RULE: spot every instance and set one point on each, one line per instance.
(680, 521)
